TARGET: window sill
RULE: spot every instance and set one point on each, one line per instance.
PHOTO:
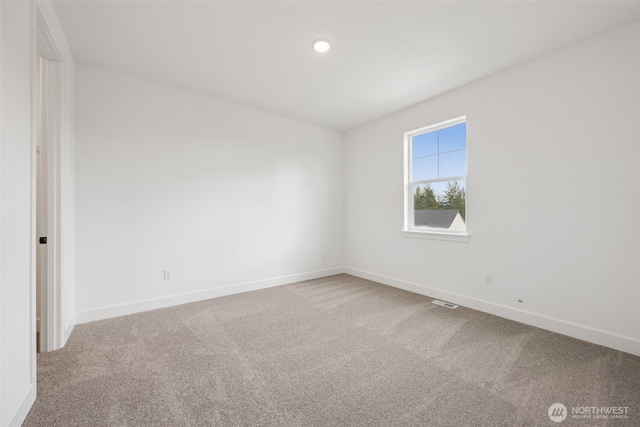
(436, 235)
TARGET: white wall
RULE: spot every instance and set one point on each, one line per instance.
(17, 385)
(553, 195)
(17, 198)
(228, 197)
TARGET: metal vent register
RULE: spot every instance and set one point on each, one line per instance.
(444, 304)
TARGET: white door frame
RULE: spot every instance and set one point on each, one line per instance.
(52, 130)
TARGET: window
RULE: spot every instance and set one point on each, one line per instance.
(436, 179)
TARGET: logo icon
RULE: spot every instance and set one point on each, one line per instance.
(557, 412)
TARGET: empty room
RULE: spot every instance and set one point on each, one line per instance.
(319, 213)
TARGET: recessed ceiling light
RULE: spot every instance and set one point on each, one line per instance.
(321, 45)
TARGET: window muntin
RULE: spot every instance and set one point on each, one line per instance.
(436, 172)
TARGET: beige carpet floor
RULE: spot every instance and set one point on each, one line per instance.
(338, 351)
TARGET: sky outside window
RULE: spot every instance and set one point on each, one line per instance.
(440, 154)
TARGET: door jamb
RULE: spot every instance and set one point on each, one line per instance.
(46, 44)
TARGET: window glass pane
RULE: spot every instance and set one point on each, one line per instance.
(440, 205)
(453, 164)
(424, 197)
(424, 168)
(438, 188)
(424, 145)
(453, 138)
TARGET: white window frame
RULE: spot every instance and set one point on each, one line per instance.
(410, 230)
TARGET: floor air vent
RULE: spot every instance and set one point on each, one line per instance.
(444, 304)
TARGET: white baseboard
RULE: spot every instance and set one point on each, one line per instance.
(575, 330)
(67, 331)
(25, 406)
(171, 300)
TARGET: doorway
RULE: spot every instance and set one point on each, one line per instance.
(47, 247)
(43, 134)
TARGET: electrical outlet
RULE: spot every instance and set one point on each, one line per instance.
(488, 279)
(168, 274)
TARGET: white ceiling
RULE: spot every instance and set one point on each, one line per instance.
(385, 56)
